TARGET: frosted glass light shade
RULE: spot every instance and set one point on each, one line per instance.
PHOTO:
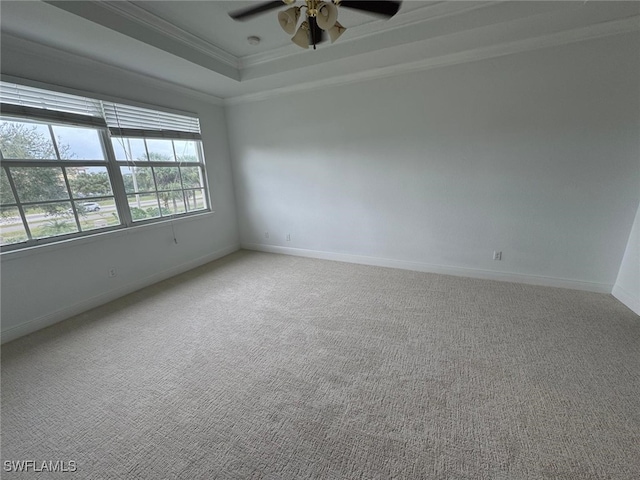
(301, 38)
(288, 19)
(327, 15)
(336, 31)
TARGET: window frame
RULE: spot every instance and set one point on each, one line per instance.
(119, 195)
(139, 134)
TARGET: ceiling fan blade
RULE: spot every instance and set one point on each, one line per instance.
(246, 13)
(387, 8)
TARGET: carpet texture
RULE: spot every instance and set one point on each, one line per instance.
(270, 366)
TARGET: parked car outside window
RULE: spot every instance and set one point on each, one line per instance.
(91, 206)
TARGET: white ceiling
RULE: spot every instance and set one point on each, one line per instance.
(196, 44)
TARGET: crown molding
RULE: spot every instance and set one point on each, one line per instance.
(143, 17)
(430, 12)
(590, 32)
(29, 47)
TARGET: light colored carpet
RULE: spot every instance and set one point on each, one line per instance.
(269, 366)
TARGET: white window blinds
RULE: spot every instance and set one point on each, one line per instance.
(31, 97)
(119, 116)
(122, 120)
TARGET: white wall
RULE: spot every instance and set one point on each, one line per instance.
(534, 154)
(627, 286)
(43, 285)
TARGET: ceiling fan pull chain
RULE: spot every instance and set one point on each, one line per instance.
(313, 30)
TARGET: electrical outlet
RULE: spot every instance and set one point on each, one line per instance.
(112, 272)
(497, 255)
(266, 234)
(288, 237)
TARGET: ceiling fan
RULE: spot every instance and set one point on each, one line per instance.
(321, 17)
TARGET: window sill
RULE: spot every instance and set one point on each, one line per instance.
(74, 242)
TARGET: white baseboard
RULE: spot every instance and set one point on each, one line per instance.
(433, 268)
(46, 320)
(627, 298)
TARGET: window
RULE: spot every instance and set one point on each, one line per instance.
(161, 177)
(74, 165)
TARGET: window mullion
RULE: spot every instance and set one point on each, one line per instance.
(54, 142)
(155, 185)
(203, 178)
(73, 204)
(146, 149)
(23, 216)
(117, 183)
(53, 163)
(184, 195)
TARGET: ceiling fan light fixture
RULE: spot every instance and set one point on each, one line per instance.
(288, 19)
(327, 15)
(321, 16)
(301, 38)
(336, 31)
